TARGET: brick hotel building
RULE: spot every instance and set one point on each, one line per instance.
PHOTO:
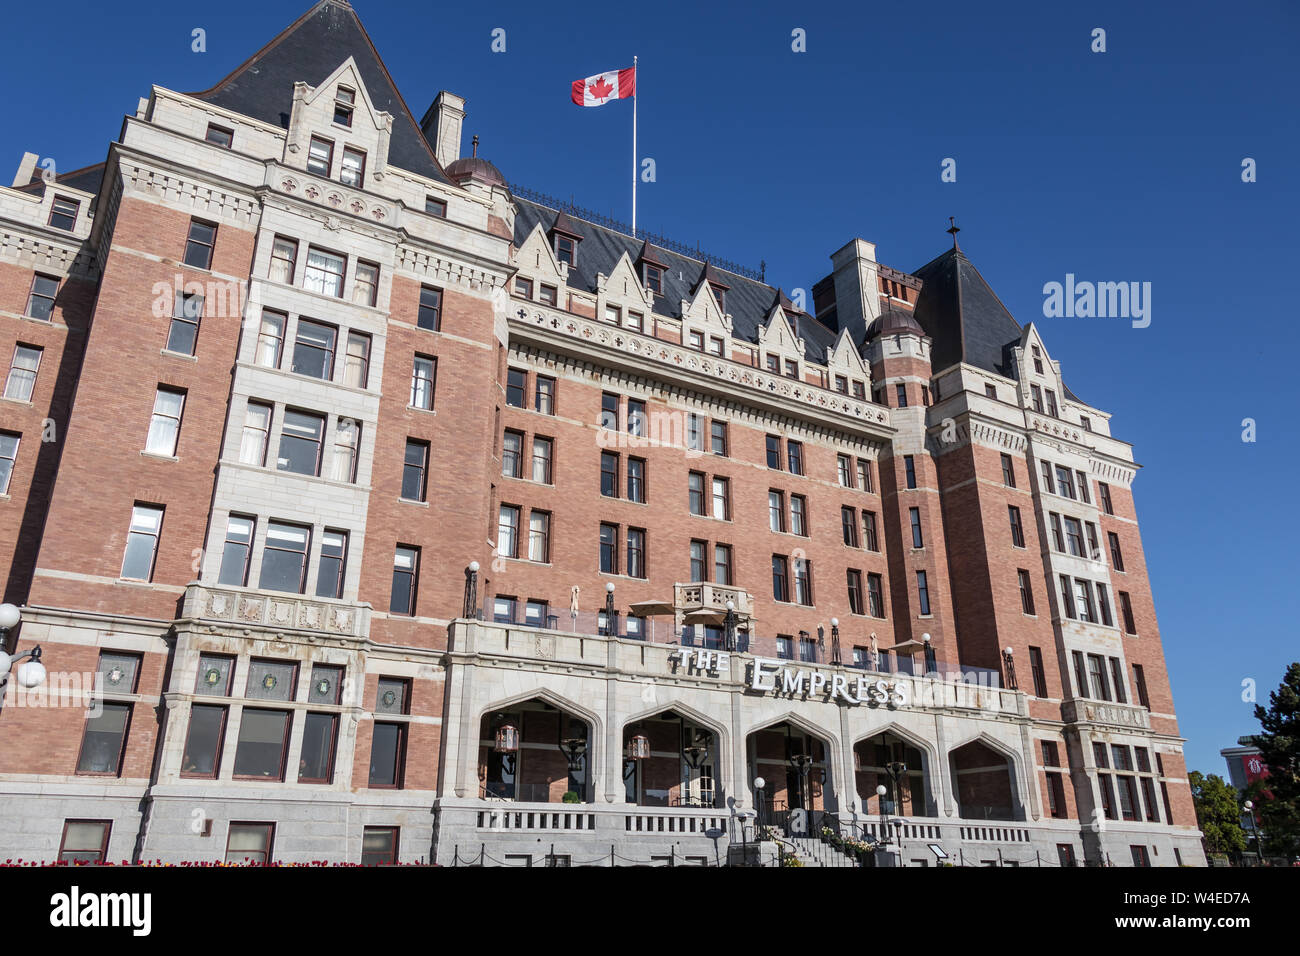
(325, 454)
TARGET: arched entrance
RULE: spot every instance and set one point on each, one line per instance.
(984, 781)
(898, 765)
(670, 760)
(534, 752)
(795, 768)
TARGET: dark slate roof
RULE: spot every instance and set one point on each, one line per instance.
(87, 179)
(748, 301)
(963, 316)
(310, 49)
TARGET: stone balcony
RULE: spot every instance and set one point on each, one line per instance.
(1076, 710)
(246, 607)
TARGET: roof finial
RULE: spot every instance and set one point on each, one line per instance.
(475, 141)
(953, 230)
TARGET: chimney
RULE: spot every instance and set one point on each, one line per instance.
(856, 280)
(442, 124)
(25, 169)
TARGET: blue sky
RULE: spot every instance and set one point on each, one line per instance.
(1115, 166)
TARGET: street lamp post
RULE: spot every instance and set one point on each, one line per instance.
(759, 784)
(729, 627)
(611, 628)
(881, 790)
(1254, 828)
(29, 674)
(835, 641)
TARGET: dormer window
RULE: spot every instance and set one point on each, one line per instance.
(63, 214)
(654, 279)
(566, 250)
(435, 207)
(719, 296)
(860, 390)
(773, 364)
(353, 171)
(696, 341)
(1038, 359)
(791, 368)
(320, 156)
(716, 345)
(219, 136)
(1051, 404)
(345, 101)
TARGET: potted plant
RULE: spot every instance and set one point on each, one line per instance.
(571, 796)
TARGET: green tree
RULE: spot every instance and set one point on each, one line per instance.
(1277, 797)
(1218, 813)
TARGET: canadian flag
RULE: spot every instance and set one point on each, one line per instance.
(600, 89)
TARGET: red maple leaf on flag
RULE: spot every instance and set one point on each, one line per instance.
(600, 89)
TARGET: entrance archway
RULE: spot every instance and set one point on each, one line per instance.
(889, 760)
(795, 766)
(984, 781)
(534, 752)
(670, 760)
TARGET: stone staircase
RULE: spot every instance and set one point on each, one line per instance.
(811, 851)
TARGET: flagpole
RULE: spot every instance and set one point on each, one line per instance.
(635, 80)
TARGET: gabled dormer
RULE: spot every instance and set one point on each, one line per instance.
(706, 327)
(716, 284)
(780, 348)
(621, 299)
(651, 269)
(848, 373)
(1041, 386)
(336, 132)
(565, 237)
(540, 275)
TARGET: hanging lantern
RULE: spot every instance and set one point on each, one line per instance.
(507, 739)
(638, 748)
(697, 752)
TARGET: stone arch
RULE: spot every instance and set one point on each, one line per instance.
(931, 768)
(828, 786)
(549, 787)
(691, 785)
(979, 792)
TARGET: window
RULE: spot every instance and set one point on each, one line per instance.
(654, 278)
(900, 391)
(699, 569)
(347, 448)
(909, 468)
(864, 475)
(780, 578)
(695, 492)
(544, 399)
(184, 328)
(1097, 677)
(365, 286)
(791, 368)
(1074, 536)
(849, 525)
(387, 756)
(1126, 611)
(922, 592)
(1103, 604)
(1026, 593)
(536, 614)
(316, 762)
(284, 257)
(785, 647)
(695, 340)
(718, 438)
(313, 349)
(539, 536)
(876, 595)
(516, 384)
(1051, 404)
(1067, 596)
(925, 395)
(257, 428)
(1017, 529)
(415, 467)
(1036, 394)
(324, 273)
(63, 213)
(609, 411)
(855, 590)
(284, 557)
(773, 363)
(722, 564)
(1083, 487)
(841, 384)
(1117, 680)
(85, 841)
(635, 480)
(914, 516)
(803, 585)
(40, 301)
(1058, 540)
(438, 207)
(1008, 472)
(1036, 669)
(199, 244)
(429, 315)
(1065, 482)
(549, 295)
(799, 515)
(870, 539)
(1094, 549)
(807, 649)
(236, 550)
(219, 136)
(774, 452)
(263, 742)
(406, 572)
(794, 455)
(1103, 493)
(776, 510)
(636, 420)
(142, 542)
(694, 432)
(845, 468)
(165, 424)
(1055, 785)
(722, 499)
(203, 740)
(508, 531)
(635, 553)
(22, 373)
(379, 846)
(609, 474)
(1140, 685)
(565, 249)
(1083, 601)
(353, 171)
(1116, 556)
(613, 315)
(104, 740)
(635, 322)
(716, 345)
(543, 453)
(300, 442)
(333, 560)
(609, 548)
(320, 156)
(270, 339)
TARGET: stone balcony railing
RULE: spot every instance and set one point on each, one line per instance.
(1126, 716)
(245, 607)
